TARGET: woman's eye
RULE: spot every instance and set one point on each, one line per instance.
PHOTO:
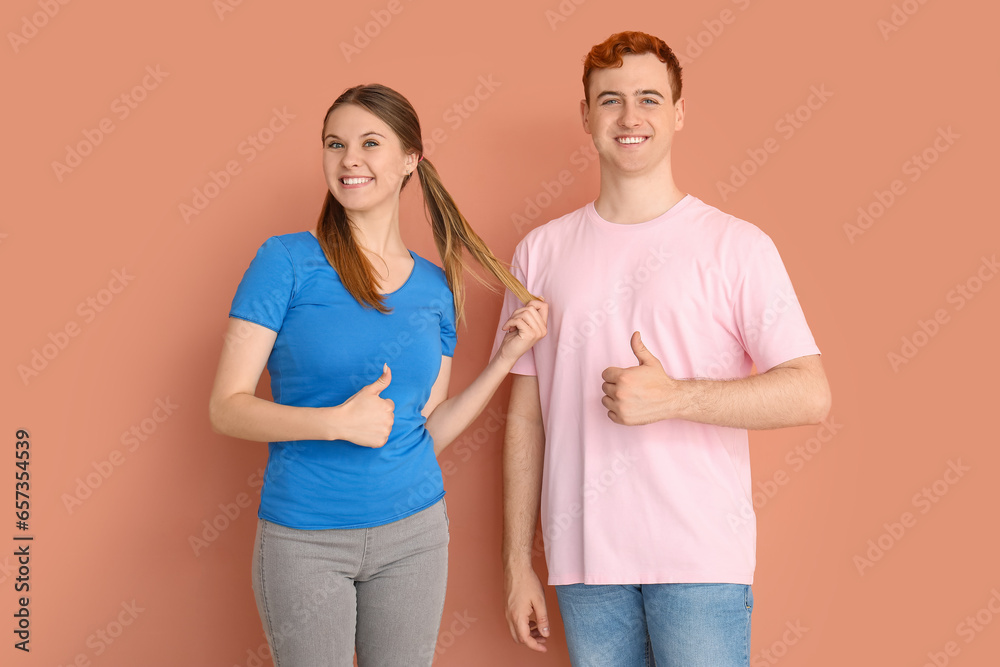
(370, 143)
(334, 144)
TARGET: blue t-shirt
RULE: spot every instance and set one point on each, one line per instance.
(328, 347)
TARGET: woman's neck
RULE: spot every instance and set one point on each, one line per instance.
(377, 231)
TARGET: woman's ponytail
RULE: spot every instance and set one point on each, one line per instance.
(452, 233)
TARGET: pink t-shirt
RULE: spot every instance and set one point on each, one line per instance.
(668, 502)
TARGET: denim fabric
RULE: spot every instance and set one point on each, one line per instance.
(666, 625)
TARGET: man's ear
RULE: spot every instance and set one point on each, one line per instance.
(679, 114)
(584, 109)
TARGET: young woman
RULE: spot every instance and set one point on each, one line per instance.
(358, 333)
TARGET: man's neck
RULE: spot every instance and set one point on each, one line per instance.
(628, 199)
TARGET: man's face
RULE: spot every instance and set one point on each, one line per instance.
(631, 116)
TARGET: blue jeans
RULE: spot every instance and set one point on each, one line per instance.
(682, 625)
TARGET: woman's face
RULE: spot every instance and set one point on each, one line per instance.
(363, 160)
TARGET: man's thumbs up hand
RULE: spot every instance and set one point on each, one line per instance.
(638, 394)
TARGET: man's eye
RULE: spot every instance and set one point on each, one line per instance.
(609, 101)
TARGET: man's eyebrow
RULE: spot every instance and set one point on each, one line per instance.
(637, 93)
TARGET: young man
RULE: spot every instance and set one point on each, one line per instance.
(628, 421)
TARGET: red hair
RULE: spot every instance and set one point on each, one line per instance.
(609, 54)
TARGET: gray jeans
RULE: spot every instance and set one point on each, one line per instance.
(323, 593)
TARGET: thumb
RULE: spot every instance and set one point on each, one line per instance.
(383, 380)
(644, 356)
(541, 619)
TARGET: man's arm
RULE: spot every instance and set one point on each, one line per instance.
(793, 393)
(523, 452)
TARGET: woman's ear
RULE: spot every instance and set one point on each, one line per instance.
(411, 162)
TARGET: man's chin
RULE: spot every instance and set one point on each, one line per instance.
(630, 167)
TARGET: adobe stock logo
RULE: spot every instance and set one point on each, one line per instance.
(122, 106)
(562, 12)
(217, 181)
(549, 191)
(103, 469)
(713, 29)
(924, 501)
(968, 629)
(461, 111)
(450, 632)
(779, 648)
(595, 486)
(102, 639)
(797, 458)
(364, 34)
(257, 658)
(223, 7)
(915, 167)
(575, 338)
(59, 340)
(724, 363)
(787, 126)
(37, 21)
(959, 297)
(900, 16)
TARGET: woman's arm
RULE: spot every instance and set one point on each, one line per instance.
(364, 419)
(439, 392)
(446, 419)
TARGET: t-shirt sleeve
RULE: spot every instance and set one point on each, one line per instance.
(267, 286)
(449, 337)
(769, 319)
(526, 364)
